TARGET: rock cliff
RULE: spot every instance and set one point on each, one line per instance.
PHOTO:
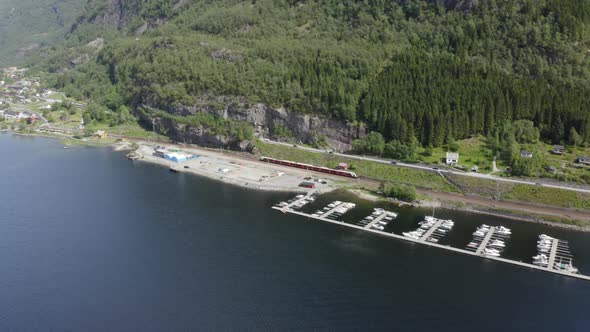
(268, 122)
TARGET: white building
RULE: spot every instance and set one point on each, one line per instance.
(452, 158)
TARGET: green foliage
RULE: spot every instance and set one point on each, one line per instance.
(527, 166)
(370, 144)
(421, 69)
(574, 138)
(281, 131)
(453, 145)
(525, 132)
(402, 192)
(213, 124)
(28, 25)
(397, 150)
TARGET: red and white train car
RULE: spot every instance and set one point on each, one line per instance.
(310, 167)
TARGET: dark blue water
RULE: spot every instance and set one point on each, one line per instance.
(92, 242)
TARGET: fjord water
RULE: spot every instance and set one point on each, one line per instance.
(90, 241)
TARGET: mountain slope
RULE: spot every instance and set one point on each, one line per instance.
(28, 25)
(430, 70)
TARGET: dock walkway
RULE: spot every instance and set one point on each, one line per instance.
(378, 219)
(431, 230)
(552, 254)
(485, 241)
(332, 210)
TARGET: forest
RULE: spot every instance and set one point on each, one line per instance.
(415, 71)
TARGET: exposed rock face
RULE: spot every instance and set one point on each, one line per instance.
(304, 128)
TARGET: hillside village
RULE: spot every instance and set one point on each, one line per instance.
(24, 98)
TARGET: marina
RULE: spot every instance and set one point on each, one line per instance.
(488, 242)
(560, 257)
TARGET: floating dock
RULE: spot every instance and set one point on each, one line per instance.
(553, 253)
(377, 220)
(485, 241)
(431, 230)
(422, 240)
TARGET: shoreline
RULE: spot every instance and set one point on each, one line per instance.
(293, 177)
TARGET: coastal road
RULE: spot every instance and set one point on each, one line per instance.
(432, 168)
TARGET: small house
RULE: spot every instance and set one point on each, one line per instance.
(526, 154)
(343, 166)
(180, 157)
(584, 160)
(101, 134)
(452, 158)
(558, 149)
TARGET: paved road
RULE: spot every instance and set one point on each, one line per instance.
(431, 169)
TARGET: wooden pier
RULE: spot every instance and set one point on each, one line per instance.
(485, 241)
(553, 253)
(377, 219)
(436, 245)
(331, 211)
(431, 230)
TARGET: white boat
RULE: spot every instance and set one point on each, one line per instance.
(568, 268)
(413, 235)
(378, 227)
(382, 223)
(491, 252)
(545, 237)
(473, 244)
(479, 234)
(541, 260)
(369, 218)
(497, 243)
(503, 230)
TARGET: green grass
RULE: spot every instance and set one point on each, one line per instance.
(129, 130)
(472, 152)
(553, 219)
(549, 196)
(368, 169)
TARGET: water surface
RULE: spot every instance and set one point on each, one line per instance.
(92, 242)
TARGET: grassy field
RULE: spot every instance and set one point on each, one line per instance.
(549, 196)
(472, 152)
(369, 169)
(475, 152)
